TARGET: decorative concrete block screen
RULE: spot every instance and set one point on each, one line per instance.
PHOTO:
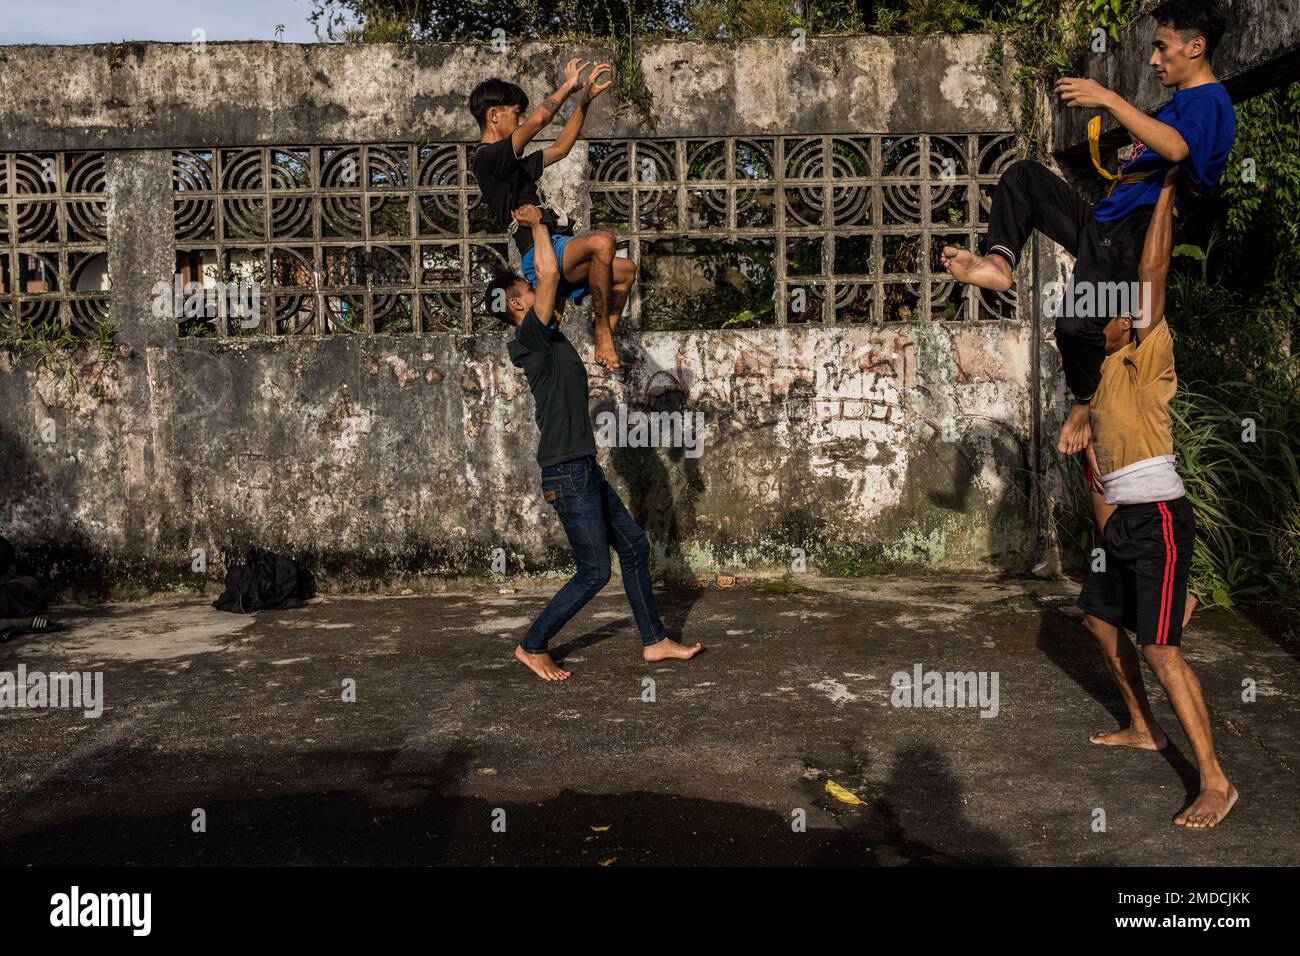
(800, 229)
(53, 239)
(729, 232)
(374, 238)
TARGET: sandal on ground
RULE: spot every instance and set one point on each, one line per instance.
(39, 625)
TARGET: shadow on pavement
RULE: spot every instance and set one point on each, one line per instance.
(392, 816)
(1071, 648)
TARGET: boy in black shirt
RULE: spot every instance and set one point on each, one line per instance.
(572, 483)
(508, 179)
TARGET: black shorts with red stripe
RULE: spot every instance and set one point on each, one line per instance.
(1142, 583)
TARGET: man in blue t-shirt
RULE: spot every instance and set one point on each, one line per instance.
(1195, 131)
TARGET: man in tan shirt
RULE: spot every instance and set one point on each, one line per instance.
(1148, 529)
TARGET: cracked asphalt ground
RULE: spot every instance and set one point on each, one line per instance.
(243, 718)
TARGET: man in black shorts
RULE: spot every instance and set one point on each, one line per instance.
(1148, 529)
(573, 484)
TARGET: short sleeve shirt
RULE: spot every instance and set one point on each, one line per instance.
(558, 381)
(508, 181)
(1204, 117)
(1130, 410)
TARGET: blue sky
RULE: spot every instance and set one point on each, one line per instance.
(107, 21)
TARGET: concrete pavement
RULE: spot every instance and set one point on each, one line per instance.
(452, 753)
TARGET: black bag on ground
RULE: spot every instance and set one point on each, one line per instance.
(20, 597)
(265, 581)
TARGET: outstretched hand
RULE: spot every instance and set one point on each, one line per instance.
(1080, 91)
(573, 73)
(593, 88)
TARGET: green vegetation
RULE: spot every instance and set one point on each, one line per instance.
(1048, 40)
(1246, 492)
(786, 584)
(840, 565)
(62, 349)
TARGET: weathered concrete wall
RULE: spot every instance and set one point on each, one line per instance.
(382, 456)
(137, 95)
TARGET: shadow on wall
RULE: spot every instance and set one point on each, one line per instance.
(662, 506)
(665, 487)
(1009, 515)
(38, 520)
(666, 490)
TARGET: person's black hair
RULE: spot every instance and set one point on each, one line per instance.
(499, 290)
(495, 92)
(6, 554)
(1197, 17)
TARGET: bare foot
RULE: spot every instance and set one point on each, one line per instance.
(1188, 607)
(605, 353)
(1076, 433)
(1209, 807)
(669, 649)
(541, 665)
(987, 272)
(1128, 737)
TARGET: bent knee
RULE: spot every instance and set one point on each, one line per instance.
(603, 243)
(636, 551)
(1022, 169)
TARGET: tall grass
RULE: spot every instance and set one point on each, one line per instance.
(1238, 444)
(1238, 448)
(1236, 427)
(1236, 423)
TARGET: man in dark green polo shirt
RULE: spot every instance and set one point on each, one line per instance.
(593, 515)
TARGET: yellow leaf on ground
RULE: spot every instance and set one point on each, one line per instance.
(600, 829)
(609, 861)
(840, 794)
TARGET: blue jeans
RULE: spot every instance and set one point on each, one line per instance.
(594, 518)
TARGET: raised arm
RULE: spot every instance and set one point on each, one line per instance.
(1158, 136)
(1153, 268)
(544, 263)
(541, 117)
(569, 135)
(1161, 137)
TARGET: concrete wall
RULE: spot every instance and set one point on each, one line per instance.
(382, 456)
(142, 95)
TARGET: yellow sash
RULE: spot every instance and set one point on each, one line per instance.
(1094, 148)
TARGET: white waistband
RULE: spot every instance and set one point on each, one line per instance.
(1151, 479)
